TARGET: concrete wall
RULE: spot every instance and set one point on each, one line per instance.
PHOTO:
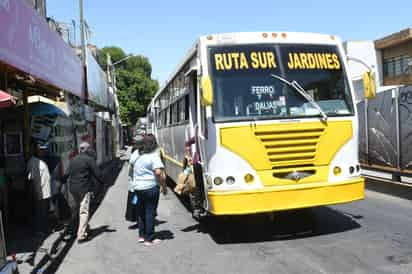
(365, 51)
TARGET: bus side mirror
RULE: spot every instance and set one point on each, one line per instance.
(207, 91)
(369, 84)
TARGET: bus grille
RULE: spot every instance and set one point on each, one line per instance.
(295, 147)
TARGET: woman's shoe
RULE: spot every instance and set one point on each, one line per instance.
(154, 242)
(140, 240)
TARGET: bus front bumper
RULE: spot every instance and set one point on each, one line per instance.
(285, 197)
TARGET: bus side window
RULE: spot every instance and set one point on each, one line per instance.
(186, 107)
(165, 111)
(158, 118)
(204, 120)
(177, 112)
(171, 115)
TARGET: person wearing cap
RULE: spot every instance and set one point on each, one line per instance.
(39, 175)
(79, 175)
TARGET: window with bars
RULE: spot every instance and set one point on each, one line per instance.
(397, 66)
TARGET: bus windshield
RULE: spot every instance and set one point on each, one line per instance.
(245, 88)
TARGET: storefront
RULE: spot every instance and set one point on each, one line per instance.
(34, 60)
(101, 100)
(51, 127)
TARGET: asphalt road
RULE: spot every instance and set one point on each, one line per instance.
(370, 236)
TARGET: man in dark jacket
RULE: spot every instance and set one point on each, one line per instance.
(80, 173)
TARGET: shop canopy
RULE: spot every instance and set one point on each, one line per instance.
(6, 100)
(42, 109)
(28, 45)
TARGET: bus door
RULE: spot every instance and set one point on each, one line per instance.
(201, 136)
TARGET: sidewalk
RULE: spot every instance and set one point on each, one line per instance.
(35, 254)
(114, 247)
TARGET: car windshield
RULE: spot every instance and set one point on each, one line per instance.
(245, 88)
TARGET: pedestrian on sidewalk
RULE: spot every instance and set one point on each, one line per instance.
(80, 173)
(38, 175)
(131, 206)
(148, 181)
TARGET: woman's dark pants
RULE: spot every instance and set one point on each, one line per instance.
(146, 206)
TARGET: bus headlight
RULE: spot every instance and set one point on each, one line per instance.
(218, 181)
(230, 180)
(249, 178)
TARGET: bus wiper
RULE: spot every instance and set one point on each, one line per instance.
(295, 85)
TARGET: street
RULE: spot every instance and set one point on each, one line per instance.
(370, 236)
(266, 117)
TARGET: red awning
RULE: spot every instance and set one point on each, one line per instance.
(6, 99)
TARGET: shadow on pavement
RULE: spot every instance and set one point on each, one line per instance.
(282, 225)
(136, 226)
(95, 232)
(62, 245)
(164, 235)
(286, 225)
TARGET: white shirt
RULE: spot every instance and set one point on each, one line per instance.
(133, 159)
(39, 174)
(143, 170)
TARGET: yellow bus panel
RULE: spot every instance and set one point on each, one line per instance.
(285, 197)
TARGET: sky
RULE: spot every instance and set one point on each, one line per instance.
(165, 30)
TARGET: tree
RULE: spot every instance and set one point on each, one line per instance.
(115, 53)
(134, 83)
(140, 63)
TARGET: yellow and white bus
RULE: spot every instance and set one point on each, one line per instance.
(273, 121)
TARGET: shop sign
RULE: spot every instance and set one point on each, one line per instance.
(28, 44)
(97, 88)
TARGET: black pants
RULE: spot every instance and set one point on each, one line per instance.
(41, 215)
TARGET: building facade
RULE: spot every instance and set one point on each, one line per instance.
(396, 54)
(385, 123)
(362, 56)
(40, 6)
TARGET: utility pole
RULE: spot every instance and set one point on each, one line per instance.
(82, 38)
(109, 68)
(83, 49)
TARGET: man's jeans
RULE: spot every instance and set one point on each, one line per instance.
(41, 218)
(146, 211)
(82, 208)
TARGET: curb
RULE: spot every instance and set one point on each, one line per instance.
(397, 189)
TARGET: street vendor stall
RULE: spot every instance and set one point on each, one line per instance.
(49, 126)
